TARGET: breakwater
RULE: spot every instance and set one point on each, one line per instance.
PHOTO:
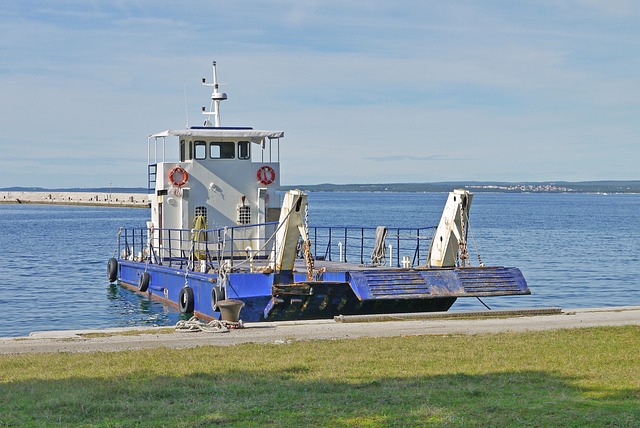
(130, 200)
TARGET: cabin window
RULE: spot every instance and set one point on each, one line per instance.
(201, 150)
(201, 212)
(222, 150)
(182, 148)
(190, 150)
(244, 214)
(243, 150)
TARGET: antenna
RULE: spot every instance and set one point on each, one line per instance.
(216, 97)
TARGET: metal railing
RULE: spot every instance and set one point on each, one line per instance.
(356, 244)
(183, 247)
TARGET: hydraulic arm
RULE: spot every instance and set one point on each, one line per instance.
(290, 228)
(449, 245)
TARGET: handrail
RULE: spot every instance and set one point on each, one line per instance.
(358, 243)
(183, 247)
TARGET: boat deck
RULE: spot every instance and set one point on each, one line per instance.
(334, 266)
(299, 267)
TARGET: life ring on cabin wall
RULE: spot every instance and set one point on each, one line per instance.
(178, 176)
(266, 175)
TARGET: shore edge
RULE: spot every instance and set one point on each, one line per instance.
(115, 339)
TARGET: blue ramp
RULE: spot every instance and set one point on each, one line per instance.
(378, 284)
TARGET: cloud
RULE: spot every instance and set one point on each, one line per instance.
(375, 91)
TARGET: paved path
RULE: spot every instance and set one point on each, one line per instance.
(283, 332)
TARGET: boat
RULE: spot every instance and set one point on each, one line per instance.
(221, 232)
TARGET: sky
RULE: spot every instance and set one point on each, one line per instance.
(366, 92)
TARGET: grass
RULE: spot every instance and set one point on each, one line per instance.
(569, 378)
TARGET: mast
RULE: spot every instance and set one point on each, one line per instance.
(216, 97)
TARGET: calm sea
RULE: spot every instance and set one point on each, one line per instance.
(575, 250)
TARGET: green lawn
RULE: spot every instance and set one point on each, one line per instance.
(581, 377)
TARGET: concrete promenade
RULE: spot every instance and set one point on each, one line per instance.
(110, 340)
(130, 200)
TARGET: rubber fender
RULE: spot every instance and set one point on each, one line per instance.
(143, 282)
(112, 269)
(185, 300)
(216, 296)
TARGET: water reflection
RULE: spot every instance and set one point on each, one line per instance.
(131, 308)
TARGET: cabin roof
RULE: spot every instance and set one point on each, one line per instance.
(220, 132)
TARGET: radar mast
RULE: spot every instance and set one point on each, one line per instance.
(216, 97)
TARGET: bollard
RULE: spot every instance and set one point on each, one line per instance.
(230, 309)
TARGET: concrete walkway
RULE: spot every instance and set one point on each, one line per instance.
(132, 200)
(110, 340)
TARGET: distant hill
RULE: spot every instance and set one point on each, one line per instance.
(610, 186)
(604, 186)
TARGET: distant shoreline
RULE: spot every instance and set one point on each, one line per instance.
(120, 196)
(121, 200)
(629, 186)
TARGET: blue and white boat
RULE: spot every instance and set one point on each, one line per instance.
(221, 229)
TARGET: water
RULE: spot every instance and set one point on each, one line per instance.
(575, 250)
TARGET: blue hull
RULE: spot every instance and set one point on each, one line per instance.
(270, 297)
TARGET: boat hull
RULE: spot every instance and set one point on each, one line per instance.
(290, 296)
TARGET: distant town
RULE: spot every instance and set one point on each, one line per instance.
(608, 186)
(630, 186)
(522, 188)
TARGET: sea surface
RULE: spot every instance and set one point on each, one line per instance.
(575, 250)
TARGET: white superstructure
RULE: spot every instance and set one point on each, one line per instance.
(211, 177)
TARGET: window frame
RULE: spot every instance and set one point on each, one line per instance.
(248, 148)
(198, 144)
(222, 153)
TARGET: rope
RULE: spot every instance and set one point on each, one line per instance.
(215, 326)
(186, 267)
(177, 191)
(223, 272)
(463, 253)
(378, 256)
(308, 259)
(115, 249)
(306, 247)
(485, 305)
(147, 259)
(475, 246)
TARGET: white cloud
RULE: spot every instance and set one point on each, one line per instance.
(466, 90)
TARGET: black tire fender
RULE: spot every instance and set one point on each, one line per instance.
(143, 282)
(185, 300)
(216, 295)
(112, 269)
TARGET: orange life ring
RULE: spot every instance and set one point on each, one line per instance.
(266, 175)
(182, 177)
